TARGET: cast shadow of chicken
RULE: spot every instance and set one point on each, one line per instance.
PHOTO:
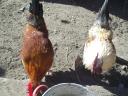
(118, 7)
(113, 78)
(2, 71)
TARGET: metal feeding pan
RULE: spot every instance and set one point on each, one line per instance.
(68, 89)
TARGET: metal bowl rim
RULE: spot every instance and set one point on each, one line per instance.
(74, 84)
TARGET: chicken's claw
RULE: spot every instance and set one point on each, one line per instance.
(50, 72)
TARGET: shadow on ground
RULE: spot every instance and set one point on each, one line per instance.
(112, 79)
(117, 7)
(2, 72)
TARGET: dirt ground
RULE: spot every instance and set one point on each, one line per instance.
(68, 22)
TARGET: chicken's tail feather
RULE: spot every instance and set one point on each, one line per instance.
(36, 8)
(103, 15)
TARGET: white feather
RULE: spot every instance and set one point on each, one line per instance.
(100, 45)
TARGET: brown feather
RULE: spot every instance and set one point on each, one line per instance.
(37, 53)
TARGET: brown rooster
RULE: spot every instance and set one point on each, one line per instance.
(99, 51)
(37, 51)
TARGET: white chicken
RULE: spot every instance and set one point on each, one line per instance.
(99, 52)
